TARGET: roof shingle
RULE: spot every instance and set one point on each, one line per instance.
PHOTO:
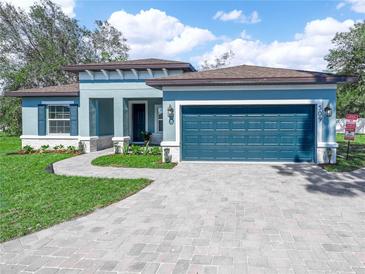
(151, 63)
(248, 75)
(61, 90)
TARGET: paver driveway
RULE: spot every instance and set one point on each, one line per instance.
(212, 218)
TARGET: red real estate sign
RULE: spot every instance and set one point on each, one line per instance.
(350, 127)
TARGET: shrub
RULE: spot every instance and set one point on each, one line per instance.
(10, 115)
(146, 149)
(146, 137)
(59, 147)
(136, 150)
(28, 149)
(125, 149)
(72, 149)
(155, 151)
(45, 147)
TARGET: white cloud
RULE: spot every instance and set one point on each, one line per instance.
(67, 6)
(154, 33)
(340, 5)
(228, 16)
(305, 51)
(238, 16)
(355, 5)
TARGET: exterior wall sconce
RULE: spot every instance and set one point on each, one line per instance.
(170, 114)
(328, 110)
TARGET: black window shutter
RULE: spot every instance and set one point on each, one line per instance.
(74, 128)
(42, 126)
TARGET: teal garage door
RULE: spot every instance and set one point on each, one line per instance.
(248, 133)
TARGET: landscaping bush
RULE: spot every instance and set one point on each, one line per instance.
(45, 147)
(28, 149)
(136, 150)
(155, 151)
(60, 149)
(72, 148)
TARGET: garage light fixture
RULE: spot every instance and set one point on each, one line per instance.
(170, 112)
(328, 110)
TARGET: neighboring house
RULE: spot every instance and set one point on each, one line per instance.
(243, 113)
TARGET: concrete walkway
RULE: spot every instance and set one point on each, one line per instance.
(207, 218)
(81, 166)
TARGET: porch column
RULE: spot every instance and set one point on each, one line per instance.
(118, 117)
(87, 143)
(119, 140)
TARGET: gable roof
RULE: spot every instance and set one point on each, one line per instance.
(248, 75)
(149, 63)
(61, 90)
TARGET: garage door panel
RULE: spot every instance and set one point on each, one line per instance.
(251, 154)
(248, 133)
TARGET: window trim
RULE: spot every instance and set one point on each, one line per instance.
(55, 119)
(157, 129)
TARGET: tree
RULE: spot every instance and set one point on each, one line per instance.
(35, 45)
(348, 58)
(218, 62)
(109, 43)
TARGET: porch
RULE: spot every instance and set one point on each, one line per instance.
(116, 120)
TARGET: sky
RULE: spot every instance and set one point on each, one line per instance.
(289, 34)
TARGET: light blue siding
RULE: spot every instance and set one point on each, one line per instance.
(120, 92)
(101, 117)
(30, 111)
(170, 96)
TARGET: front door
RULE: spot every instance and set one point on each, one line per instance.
(138, 121)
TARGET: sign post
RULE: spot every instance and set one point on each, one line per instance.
(350, 130)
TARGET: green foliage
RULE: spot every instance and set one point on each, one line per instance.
(28, 149)
(351, 99)
(219, 62)
(10, 116)
(59, 147)
(146, 136)
(133, 161)
(71, 148)
(44, 147)
(356, 156)
(109, 43)
(348, 58)
(136, 150)
(35, 45)
(32, 199)
(155, 151)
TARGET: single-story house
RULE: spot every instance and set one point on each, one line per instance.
(241, 113)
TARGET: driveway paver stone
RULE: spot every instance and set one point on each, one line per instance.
(207, 218)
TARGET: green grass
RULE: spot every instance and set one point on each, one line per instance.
(356, 156)
(31, 199)
(134, 161)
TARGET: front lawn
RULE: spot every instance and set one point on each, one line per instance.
(356, 158)
(31, 199)
(131, 160)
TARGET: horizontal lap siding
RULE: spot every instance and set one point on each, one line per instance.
(248, 133)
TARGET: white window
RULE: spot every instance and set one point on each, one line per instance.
(158, 118)
(58, 119)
